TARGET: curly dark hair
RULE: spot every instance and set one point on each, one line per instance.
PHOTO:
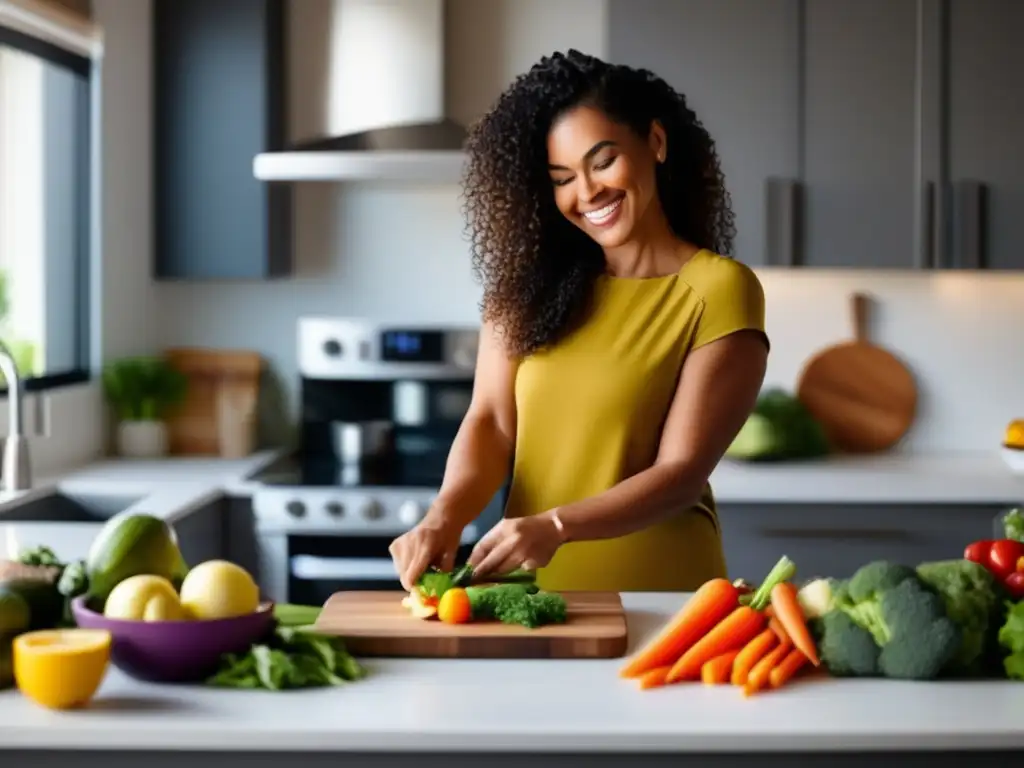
(536, 267)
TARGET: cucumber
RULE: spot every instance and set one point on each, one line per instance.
(45, 603)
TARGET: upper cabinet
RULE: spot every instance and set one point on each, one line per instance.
(219, 73)
(984, 83)
(853, 133)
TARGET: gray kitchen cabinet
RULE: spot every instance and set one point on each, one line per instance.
(834, 540)
(218, 84)
(984, 72)
(736, 62)
(860, 99)
(201, 534)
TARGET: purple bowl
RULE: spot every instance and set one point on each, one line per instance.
(175, 651)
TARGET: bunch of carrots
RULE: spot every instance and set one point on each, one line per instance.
(756, 640)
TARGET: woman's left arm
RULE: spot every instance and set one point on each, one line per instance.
(717, 390)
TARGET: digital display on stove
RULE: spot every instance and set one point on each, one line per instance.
(412, 346)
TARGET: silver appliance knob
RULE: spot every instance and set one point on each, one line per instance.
(410, 513)
(464, 357)
(333, 348)
(372, 510)
(334, 508)
(296, 508)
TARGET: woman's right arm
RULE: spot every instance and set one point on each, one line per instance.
(478, 462)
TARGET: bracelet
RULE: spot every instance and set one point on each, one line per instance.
(559, 525)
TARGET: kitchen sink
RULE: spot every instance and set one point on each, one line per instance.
(67, 507)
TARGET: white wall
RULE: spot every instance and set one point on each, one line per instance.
(397, 252)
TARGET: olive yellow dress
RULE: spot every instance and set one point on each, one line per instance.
(591, 410)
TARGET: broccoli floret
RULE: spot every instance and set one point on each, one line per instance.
(906, 620)
(973, 599)
(922, 639)
(846, 648)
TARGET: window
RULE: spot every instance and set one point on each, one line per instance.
(45, 212)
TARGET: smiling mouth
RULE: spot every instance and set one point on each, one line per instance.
(607, 214)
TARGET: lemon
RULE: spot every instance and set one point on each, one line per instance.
(218, 589)
(1015, 434)
(61, 668)
(144, 598)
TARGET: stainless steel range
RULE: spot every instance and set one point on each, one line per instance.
(380, 406)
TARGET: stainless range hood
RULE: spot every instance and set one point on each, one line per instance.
(384, 94)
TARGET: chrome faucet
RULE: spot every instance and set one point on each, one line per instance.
(16, 471)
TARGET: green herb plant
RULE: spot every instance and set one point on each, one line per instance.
(143, 388)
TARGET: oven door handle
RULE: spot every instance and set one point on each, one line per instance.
(313, 568)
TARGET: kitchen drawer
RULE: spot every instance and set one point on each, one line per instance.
(834, 540)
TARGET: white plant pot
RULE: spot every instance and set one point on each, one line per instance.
(142, 439)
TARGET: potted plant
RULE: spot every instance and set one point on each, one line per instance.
(142, 390)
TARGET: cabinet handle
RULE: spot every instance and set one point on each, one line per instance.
(862, 534)
(926, 243)
(782, 222)
(969, 213)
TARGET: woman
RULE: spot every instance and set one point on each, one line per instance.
(620, 353)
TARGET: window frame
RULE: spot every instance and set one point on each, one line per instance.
(83, 315)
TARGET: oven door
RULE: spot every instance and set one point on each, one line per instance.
(320, 565)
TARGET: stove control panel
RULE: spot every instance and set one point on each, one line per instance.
(369, 511)
(349, 348)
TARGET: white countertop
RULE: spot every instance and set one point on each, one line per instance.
(552, 706)
(903, 478)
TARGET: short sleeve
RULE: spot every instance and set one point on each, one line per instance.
(733, 301)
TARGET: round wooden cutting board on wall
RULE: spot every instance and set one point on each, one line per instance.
(863, 395)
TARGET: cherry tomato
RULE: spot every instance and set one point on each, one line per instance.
(1020, 565)
(978, 552)
(1003, 557)
(1015, 584)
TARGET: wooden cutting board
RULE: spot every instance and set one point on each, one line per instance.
(218, 415)
(376, 624)
(864, 397)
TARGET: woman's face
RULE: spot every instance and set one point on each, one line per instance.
(603, 174)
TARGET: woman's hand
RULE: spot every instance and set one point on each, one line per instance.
(434, 541)
(524, 542)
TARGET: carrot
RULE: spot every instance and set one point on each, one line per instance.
(791, 617)
(716, 671)
(760, 675)
(654, 678)
(769, 612)
(711, 603)
(780, 632)
(752, 653)
(731, 633)
(788, 667)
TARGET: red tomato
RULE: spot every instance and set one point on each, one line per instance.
(1015, 584)
(978, 552)
(1003, 557)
